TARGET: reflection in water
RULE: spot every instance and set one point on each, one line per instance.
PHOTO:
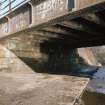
(92, 98)
(95, 91)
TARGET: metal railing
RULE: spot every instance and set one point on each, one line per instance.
(7, 6)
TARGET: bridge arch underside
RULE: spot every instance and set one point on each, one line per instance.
(53, 46)
(87, 30)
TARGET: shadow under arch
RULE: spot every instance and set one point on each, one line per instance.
(61, 60)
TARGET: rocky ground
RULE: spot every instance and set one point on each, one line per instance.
(40, 89)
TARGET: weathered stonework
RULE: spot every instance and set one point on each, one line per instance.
(19, 20)
(10, 63)
(48, 57)
(49, 9)
(86, 3)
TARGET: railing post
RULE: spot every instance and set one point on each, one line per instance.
(9, 5)
(0, 8)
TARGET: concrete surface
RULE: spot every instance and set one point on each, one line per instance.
(40, 89)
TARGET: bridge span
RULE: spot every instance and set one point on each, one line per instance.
(78, 23)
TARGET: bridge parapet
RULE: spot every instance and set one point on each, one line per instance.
(86, 3)
(51, 9)
(34, 13)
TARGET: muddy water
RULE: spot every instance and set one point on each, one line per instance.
(92, 98)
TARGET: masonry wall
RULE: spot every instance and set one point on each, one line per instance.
(86, 3)
(10, 63)
(41, 56)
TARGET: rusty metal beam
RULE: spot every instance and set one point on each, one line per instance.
(95, 18)
(60, 31)
(52, 35)
(81, 27)
(79, 33)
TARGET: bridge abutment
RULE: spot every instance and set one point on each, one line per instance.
(47, 56)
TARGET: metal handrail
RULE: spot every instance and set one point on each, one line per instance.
(3, 1)
(10, 3)
(9, 6)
